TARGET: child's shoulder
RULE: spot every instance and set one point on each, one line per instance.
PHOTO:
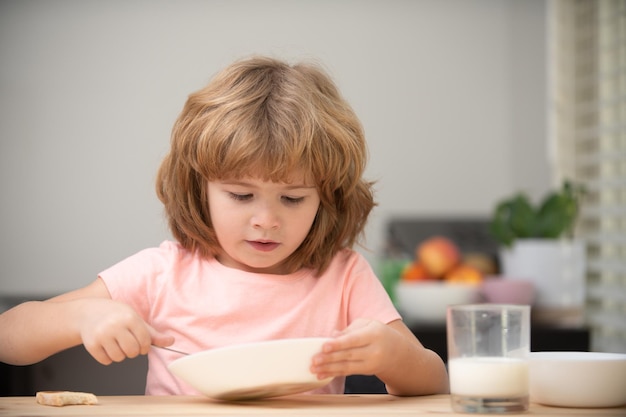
(172, 246)
(348, 259)
(176, 248)
(170, 251)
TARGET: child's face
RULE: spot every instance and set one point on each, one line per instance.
(260, 223)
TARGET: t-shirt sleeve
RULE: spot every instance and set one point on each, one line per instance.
(134, 280)
(367, 298)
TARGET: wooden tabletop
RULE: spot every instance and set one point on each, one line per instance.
(297, 405)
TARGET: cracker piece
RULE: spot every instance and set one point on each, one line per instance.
(62, 398)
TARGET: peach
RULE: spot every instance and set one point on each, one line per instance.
(464, 273)
(438, 254)
(415, 271)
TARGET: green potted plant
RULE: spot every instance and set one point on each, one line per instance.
(537, 243)
(554, 218)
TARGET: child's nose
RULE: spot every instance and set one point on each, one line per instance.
(266, 217)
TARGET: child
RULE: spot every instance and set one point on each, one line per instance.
(264, 194)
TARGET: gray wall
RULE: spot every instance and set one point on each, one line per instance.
(452, 94)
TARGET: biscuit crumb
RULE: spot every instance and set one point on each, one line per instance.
(62, 398)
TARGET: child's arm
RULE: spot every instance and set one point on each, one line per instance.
(391, 352)
(111, 331)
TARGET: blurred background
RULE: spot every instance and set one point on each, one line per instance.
(454, 96)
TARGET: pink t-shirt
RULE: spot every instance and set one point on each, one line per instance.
(205, 305)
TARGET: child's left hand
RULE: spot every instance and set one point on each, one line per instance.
(389, 351)
(366, 347)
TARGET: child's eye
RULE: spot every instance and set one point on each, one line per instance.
(240, 197)
(293, 200)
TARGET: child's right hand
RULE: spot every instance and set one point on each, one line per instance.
(112, 331)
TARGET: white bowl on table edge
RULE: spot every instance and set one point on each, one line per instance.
(426, 302)
(253, 370)
(578, 379)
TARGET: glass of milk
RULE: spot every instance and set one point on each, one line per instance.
(488, 350)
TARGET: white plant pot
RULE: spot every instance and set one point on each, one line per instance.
(555, 267)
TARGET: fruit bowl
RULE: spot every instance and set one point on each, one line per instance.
(578, 379)
(425, 302)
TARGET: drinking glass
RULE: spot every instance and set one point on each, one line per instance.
(488, 350)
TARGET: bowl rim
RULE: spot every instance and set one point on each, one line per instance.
(442, 283)
(256, 345)
(577, 356)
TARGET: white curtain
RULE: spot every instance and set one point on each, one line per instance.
(588, 145)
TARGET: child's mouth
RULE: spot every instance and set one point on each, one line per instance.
(263, 246)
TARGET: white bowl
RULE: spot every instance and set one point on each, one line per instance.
(578, 379)
(250, 371)
(426, 301)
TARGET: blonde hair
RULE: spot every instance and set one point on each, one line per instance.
(263, 117)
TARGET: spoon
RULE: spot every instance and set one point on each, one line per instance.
(172, 350)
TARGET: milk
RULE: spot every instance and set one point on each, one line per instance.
(488, 377)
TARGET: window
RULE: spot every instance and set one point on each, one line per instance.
(588, 138)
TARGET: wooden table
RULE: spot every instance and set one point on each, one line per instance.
(297, 405)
